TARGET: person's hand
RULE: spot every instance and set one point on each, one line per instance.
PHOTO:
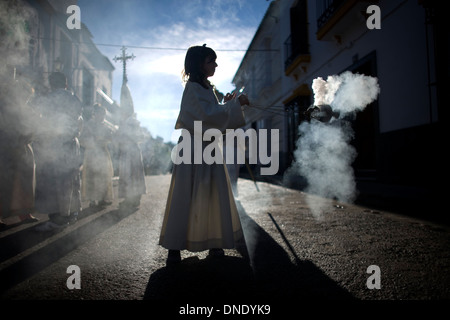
(243, 99)
(229, 96)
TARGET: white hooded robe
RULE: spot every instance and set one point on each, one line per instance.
(201, 212)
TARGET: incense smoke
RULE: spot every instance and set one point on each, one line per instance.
(14, 36)
(324, 155)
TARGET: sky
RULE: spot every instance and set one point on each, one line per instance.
(158, 33)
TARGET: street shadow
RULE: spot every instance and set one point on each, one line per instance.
(205, 280)
(21, 240)
(53, 250)
(265, 272)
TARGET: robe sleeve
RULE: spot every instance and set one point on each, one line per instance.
(200, 104)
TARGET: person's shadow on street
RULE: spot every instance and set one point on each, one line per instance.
(265, 272)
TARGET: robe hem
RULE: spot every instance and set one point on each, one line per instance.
(197, 246)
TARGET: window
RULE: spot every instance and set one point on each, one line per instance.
(297, 43)
(325, 10)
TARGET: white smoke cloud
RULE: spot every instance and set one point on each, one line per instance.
(351, 92)
(324, 155)
(14, 37)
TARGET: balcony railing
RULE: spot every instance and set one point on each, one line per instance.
(326, 9)
(293, 49)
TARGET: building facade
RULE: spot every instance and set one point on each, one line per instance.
(43, 43)
(300, 40)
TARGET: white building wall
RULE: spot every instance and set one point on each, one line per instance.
(74, 49)
(400, 47)
(406, 101)
(403, 77)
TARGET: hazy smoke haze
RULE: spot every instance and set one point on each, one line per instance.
(324, 153)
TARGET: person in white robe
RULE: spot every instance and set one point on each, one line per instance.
(201, 212)
(17, 131)
(97, 173)
(57, 154)
(131, 167)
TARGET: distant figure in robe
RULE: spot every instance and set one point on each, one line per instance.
(58, 158)
(131, 166)
(17, 174)
(97, 174)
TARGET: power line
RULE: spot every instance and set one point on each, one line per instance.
(151, 48)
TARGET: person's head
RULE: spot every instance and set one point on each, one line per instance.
(57, 80)
(98, 113)
(199, 64)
